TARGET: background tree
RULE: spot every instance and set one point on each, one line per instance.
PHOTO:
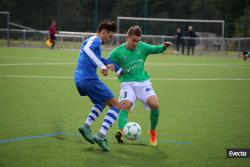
(83, 15)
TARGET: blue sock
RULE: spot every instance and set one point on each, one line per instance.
(95, 112)
(109, 120)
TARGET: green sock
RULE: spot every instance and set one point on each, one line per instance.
(154, 117)
(123, 119)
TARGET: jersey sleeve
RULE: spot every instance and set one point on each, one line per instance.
(113, 59)
(89, 50)
(95, 43)
(105, 61)
(153, 49)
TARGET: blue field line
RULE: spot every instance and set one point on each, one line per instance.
(30, 137)
(2, 141)
(166, 141)
(175, 142)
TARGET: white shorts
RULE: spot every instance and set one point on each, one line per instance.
(136, 90)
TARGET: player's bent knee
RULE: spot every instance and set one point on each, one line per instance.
(126, 105)
(114, 103)
(152, 102)
(119, 106)
(154, 105)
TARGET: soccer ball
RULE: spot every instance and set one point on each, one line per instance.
(132, 131)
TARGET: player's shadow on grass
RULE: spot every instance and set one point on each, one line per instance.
(133, 144)
(72, 136)
(135, 153)
(126, 154)
(70, 139)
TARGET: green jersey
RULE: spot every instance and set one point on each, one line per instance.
(132, 61)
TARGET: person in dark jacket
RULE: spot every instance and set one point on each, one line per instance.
(190, 40)
(179, 40)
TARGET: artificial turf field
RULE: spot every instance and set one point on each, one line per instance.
(204, 102)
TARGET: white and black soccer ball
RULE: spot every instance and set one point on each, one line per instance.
(132, 131)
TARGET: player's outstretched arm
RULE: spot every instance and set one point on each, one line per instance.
(89, 47)
(156, 49)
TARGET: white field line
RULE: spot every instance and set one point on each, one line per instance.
(148, 64)
(108, 78)
(194, 64)
(37, 58)
(36, 64)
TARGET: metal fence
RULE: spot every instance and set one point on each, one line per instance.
(73, 40)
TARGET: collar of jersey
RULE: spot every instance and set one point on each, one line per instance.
(129, 49)
(98, 38)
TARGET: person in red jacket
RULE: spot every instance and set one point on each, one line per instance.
(52, 34)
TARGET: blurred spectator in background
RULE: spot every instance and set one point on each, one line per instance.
(179, 41)
(190, 41)
(52, 34)
(245, 55)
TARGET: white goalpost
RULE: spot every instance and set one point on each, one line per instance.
(220, 22)
(210, 33)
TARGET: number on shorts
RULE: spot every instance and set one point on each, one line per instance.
(125, 94)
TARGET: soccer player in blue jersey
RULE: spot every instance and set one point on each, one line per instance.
(88, 84)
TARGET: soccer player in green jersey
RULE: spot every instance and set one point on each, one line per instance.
(135, 84)
(245, 55)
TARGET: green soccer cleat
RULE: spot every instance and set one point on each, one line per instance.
(103, 143)
(119, 136)
(86, 133)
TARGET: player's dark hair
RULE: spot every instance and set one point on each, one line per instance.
(107, 25)
(134, 30)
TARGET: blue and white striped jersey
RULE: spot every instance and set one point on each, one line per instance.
(89, 59)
